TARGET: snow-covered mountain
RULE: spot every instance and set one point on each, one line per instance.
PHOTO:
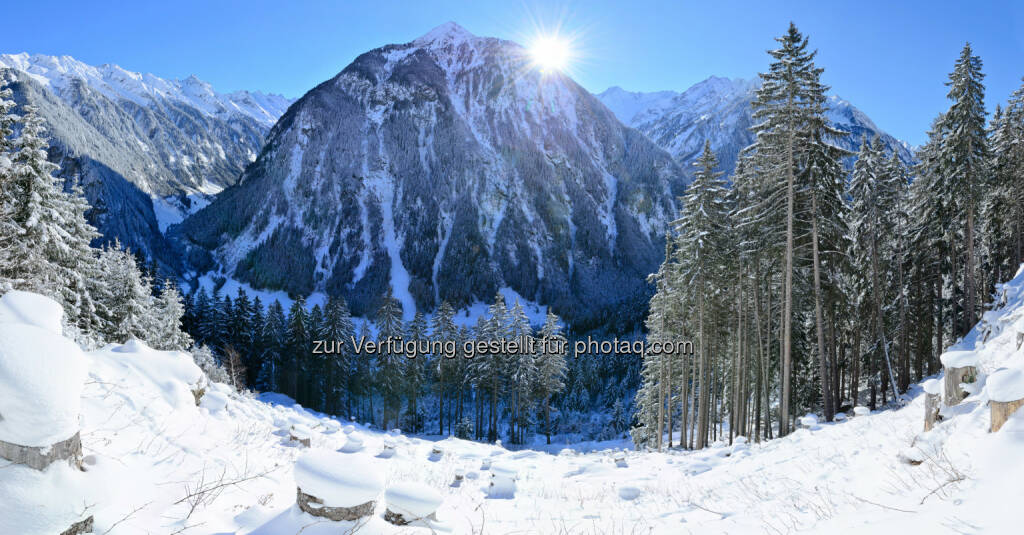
(448, 168)
(718, 109)
(147, 150)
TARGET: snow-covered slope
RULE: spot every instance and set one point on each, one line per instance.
(449, 167)
(157, 463)
(718, 109)
(147, 151)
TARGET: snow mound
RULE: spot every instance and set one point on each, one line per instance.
(959, 359)
(27, 498)
(214, 401)
(932, 386)
(31, 309)
(42, 374)
(861, 411)
(629, 493)
(338, 480)
(1006, 385)
(173, 373)
(413, 500)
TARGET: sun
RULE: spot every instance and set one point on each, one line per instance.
(551, 53)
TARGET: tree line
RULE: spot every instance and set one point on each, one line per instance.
(468, 397)
(808, 286)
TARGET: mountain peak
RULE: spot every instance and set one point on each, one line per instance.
(449, 32)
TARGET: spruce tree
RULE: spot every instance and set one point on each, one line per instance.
(964, 155)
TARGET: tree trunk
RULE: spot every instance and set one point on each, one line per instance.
(826, 396)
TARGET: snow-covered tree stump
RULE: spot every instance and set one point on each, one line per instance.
(80, 527)
(960, 367)
(40, 457)
(315, 506)
(353, 444)
(503, 482)
(42, 375)
(460, 476)
(619, 458)
(333, 486)
(932, 392)
(301, 434)
(1006, 395)
(411, 502)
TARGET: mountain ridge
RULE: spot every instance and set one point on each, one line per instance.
(454, 169)
(718, 109)
(145, 150)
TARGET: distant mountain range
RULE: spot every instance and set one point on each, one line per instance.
(447, 168)
(718, 109)
(147, 150)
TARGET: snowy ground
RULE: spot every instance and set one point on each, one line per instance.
(156, 463)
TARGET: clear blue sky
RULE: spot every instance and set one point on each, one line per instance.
(890, 60)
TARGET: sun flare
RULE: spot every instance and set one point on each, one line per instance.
(551, 53)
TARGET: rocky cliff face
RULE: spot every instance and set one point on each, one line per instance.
(448, 167)
(145, 149)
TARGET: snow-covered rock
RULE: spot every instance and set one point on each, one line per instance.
(42, 374)
(338, 480)
(861, 411)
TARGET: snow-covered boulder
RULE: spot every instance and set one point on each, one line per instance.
(42, 374)
(409, 502)
(861, 411)
(338, 487)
